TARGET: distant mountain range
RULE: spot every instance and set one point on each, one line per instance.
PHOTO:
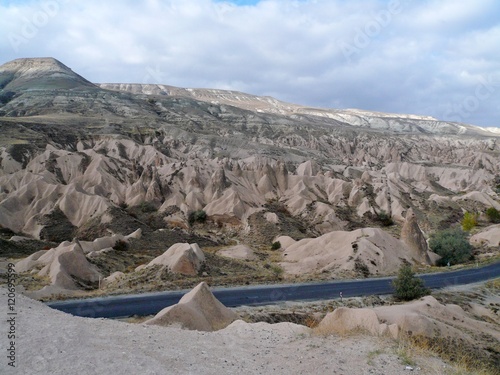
(77, 153)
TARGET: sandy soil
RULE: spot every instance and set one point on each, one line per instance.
(52, 342)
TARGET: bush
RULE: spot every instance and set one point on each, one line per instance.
(6, 96)
(147, 207)
(469, 221)
(385, 219)
(493, 215)
(197, 216)
(277, 270)
(120, 245)
(452, 245)
(276, 245)
(407, 286)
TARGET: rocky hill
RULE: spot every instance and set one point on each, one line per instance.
(78, 159)
(356, 117)
(40, 74)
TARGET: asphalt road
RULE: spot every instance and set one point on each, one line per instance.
(151, 303)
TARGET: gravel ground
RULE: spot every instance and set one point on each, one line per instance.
(52, 342)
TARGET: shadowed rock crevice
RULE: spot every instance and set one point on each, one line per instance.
(56, 227)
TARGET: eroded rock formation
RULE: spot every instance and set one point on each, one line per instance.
(197, 310)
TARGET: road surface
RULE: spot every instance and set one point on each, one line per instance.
(151, 303)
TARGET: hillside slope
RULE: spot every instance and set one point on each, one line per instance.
(78, 159)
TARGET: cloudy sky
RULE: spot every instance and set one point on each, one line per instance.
(430, 57)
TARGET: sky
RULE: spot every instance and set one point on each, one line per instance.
(437, 58)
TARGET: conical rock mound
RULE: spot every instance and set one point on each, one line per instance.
(180, 258)
(63, 265)
(197, 310)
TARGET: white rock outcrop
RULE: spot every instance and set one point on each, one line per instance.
(68, 262)
(424, 317)
(370, 248)
(412, 236)
(197, 310)
(241, 252)
(180, 258)
(490, 237)
(63, 265)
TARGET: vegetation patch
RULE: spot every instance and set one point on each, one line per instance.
(493, 215)
(469, 221)
(452, 245)
(198, 216)
(407, 286)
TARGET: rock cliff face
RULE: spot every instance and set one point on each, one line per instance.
(72, 152)
(412, 236)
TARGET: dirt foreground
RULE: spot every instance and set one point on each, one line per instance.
(52, 342)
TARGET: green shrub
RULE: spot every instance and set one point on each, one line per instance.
(385, 219)
(147, 207)
(277, 270)
(197, 216)
(6, 96)
(493, 215)
(408, 287)
(120, 245)
(469, 221)
(452, 245)
(200, 216)
(276, 245)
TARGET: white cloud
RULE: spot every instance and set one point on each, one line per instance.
(398, 55)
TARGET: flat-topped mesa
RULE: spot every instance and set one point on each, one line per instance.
(38, 63)
(412, 236)
(41, 73)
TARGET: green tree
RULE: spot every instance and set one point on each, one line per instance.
(197, 216)
(493, 215)
(276, 245)
(407, 286)
(469, 221)
(385, 219)
(147, 207)
(452, 245)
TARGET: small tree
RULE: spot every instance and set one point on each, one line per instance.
(452, 245)
(197, 216)
(408, 287)
(276, 245)
(120, 245)
(385, 219)
(493, 215)
(200, 216)
(147, 207)
(469, 221)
